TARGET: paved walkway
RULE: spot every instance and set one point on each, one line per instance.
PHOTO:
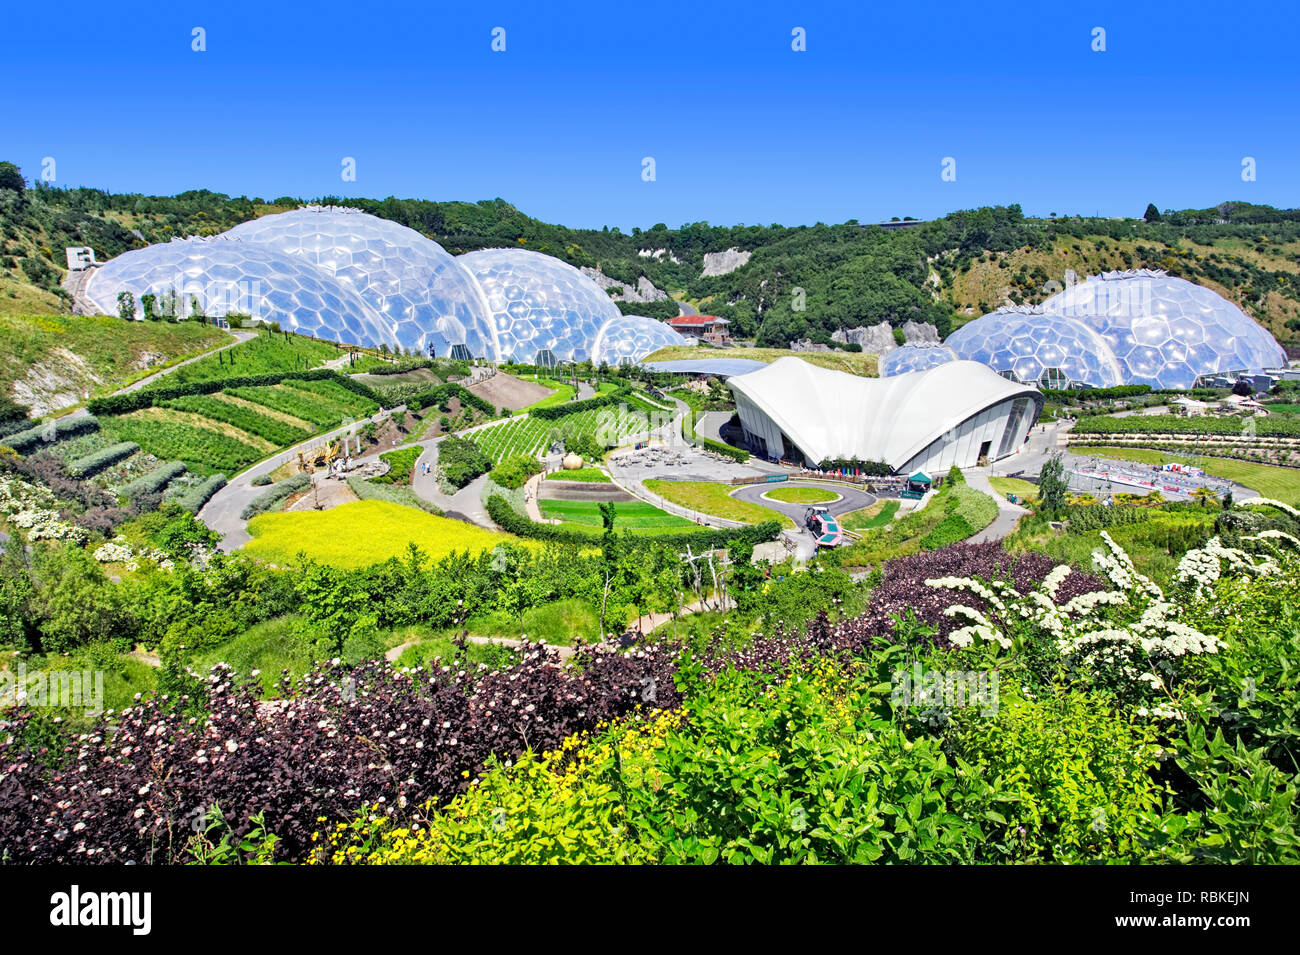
(1008, 514)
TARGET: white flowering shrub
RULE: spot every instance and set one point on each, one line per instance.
(120, 551)
(1131, 638)
(34, 510)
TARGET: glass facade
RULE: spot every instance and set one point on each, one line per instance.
(347, 276)
(1037, 348)
(1165, 331)
(916, 357)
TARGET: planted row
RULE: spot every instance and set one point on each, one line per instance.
(92, 464)
(245, 419)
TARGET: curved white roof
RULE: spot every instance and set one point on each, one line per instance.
(834, 415)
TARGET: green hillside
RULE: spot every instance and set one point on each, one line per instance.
(943, 272)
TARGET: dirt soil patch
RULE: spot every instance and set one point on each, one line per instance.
(506, 391)
(578, 491)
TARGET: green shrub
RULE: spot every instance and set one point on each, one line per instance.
(460, 460)
(262, 480)
(514, 471)
(277, 495)
(25, 442)
(194, 499)
(153, 481)
(396, 493)
(106, 457)
(400, 465)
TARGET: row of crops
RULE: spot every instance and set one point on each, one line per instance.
(227, 431)
(532, 436)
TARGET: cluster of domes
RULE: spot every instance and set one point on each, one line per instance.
(914, 356)
(1139, 327)
(344, 275)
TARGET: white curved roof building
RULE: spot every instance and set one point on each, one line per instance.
(955, 413)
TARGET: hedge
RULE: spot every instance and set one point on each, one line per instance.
(103, 458)
(511, 521)
(153, 481)
(147, 398)
(1273, 425)
(194, 499)
(50, 432)
(554, 412)
(717, 447)
(278, 494)
(394, 493)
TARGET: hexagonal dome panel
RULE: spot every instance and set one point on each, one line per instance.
(415, 285)
(1166, 332)
(629, 338)
(1038, 347)
(538, 302)
(240, 277)
(917, 356)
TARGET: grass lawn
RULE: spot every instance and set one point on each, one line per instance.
(1282, 484)
(1024, 490)
(561, 393)
(855, 363)
(364, 533)
(586, 475)
(801, 495)
(631, 514)
(877, 515)
(715, 499)
(561, 622)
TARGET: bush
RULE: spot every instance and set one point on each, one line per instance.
(152, 482)
(194, 499)
(277, 495)
(24, 442)
(460, 460)
(106, 457)
(401, 463)
(394, 493)
(513, 472)
(262, 480)
(121, 404)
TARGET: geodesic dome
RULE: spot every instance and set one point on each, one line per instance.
(917, 356)
(630, 338)
(410, 281)
(1038, 348)
(1166, 332)
(239, 277)
(350, 277)
(538, 302)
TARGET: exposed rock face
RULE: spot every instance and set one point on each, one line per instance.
(920, 332)
(720, 263)
(807, 345)
(643, 291)
(875, 339)
(658, 255)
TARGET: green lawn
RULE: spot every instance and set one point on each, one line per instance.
(364, 533)
(715, 499)
(801, 495)
(1024, 490)
(560, 394)
(855, 363)
(587, 475)
(1282, 484)
(864, 519)
(632, 515)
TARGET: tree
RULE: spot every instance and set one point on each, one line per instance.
(149, 301)
(11, 177)
(1052, 487)
(126, 306)
(1152, 214)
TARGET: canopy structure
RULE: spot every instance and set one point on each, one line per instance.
(716, 367)
(957, 413)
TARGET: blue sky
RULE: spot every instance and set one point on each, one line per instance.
(742, 129)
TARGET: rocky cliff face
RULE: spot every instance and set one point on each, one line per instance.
(720, 263)
(875, 339)
(920, 332)
(643, 291)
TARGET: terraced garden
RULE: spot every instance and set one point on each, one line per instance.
(227, 431)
